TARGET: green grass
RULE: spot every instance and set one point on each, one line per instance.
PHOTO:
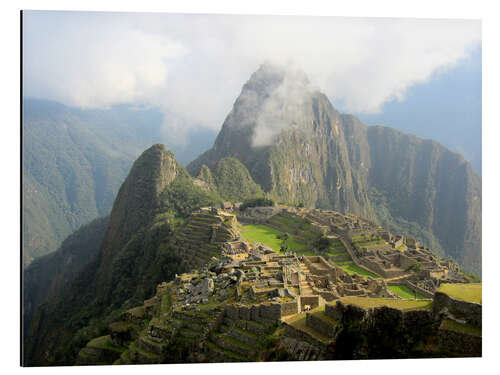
(337, 254)
(228, 353)
(295, 222)
(352, 268)
(299, 322)
(400, 304)
(268, 236)
(469, 329)
(166, 302)
(104, 342)
(320, 313)
(464, 292)
(355, 238)
(300, 229)
(405, 292)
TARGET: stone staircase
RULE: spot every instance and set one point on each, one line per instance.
(304, 287)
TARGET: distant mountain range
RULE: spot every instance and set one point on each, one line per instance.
(75, 160)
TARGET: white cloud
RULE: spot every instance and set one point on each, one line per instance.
(194, 65)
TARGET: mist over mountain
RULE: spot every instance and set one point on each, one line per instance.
(301, 150)
(74, 161)
(446, 109)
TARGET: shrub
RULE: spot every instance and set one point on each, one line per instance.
(415, 267)
(256, 202)
(323, 243)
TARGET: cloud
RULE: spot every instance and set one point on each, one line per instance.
(193, 66)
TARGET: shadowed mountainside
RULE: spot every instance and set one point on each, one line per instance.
(138, 251)
(75, 160)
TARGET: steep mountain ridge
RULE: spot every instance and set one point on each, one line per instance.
(137, 252)
(301, 150)
(74, 161)
(48, 276)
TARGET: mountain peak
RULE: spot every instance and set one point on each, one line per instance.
(139, 195)
(270, 76)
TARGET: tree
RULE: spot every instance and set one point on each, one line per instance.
(323, 243)
(256, 202)
(283, 236)
(417, 266)
(283, 247)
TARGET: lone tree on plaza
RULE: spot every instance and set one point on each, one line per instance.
(284, 245)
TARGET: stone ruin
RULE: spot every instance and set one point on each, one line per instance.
(299, 282)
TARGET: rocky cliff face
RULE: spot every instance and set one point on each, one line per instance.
(301, 150)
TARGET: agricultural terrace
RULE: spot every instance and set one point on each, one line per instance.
(464, 292)
(405, 292)
(400, 304)
(351, 268)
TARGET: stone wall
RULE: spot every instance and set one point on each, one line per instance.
(319, 266)
(378, 269)
(289, 308)
(265, 313)
(399, 242)
(412, 286)
(418, 289)
(453, 343)
(469, 311)
(405, 262)
(300, 350)
(341, 312)
(313, 301)
(321, 326)
(300, 335)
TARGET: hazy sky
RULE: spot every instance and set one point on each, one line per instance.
(195, 65)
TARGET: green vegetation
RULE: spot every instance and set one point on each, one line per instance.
(319, 312)
(234, 182)
(256, 202)
(323, 243)
(284, 245)
(471, 277)
(299, 322)
(269, 237)
(46, 277)
(352, 268)
(415, 267)
(104, 342)
(400, 304)
(75, 160)
(405, 292)
(466, 328)
(182, 197)
(464, 292)
(136, 261)
(207, 176)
